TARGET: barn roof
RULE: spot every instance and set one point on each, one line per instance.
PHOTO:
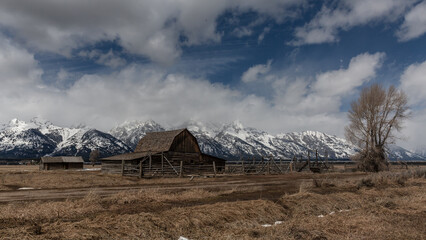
(128, 156)
(157, 141)
(61, 159)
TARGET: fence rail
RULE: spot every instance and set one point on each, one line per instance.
(263, 165)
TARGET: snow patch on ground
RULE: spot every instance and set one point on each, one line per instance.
(25, 188)
(270, 225)
(89, 169)
(333, 212)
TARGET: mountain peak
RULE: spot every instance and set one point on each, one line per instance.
(40, 121)
(18, 125)
(16, 122)
(237, 125)
(132, 131)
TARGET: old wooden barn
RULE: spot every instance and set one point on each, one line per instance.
(164, 153)
(53, 163)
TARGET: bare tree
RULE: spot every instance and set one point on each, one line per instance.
(94, 156)
(374, 117)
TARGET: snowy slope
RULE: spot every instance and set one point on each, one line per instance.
(232, 141)
(421, 150)
(86, 140)
(36, 138)
(399, 153)
(19, 139)
(131, 132)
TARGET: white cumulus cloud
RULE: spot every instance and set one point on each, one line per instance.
(414, 23)
(254, 73)
(413, 82)
(156, 29)
(361, 69)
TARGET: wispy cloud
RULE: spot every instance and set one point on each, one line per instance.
(327, 23)
(110, 59)
(154, 29)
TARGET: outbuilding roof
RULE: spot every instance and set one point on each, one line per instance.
(128, 156)
(61, 159)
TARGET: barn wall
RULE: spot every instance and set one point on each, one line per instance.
(115, 166)
(54, 166)
(185, 142)
(111, 166)
(187, 158)
(74, 165)
(210, 159)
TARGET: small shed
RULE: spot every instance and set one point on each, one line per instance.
(62, 162)
(162, 152)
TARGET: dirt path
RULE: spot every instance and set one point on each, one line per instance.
(259, 186)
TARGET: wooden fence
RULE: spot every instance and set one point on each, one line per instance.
(261, 165)
(168, 169)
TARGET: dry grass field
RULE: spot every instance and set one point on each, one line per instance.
(387, 205)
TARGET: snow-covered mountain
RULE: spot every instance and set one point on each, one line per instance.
(242, 141)
(131, 132)
(232, 141)
(421, 150)
(399, 153)
(19, 139)
(36, 138)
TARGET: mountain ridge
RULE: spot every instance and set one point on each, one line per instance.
(233, 141)
(36, 138)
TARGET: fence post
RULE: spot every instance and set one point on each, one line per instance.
(242, 166)
(269, 166)
(122, 167)
(181, 169)
(291, 166)
(150, 161)
(214, 168)
(326, 158)
(162, 163)
(309, 160)
(140, 169)
(316, 156)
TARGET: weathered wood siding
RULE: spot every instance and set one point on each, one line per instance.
(185, 142)
(111, 166)
(73, 165)
(187, 158)
(53, 166)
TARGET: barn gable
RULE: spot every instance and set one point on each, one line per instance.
(180, 140)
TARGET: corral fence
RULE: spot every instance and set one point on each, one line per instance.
(164, 166)
(271, 165)
(253, 165)
(170, 170)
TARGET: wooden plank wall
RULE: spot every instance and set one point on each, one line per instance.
(185, 143)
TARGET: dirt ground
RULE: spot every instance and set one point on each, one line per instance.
(29, 184)
(90, 205)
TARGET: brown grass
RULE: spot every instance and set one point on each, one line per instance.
(14, 178)
(390, 206)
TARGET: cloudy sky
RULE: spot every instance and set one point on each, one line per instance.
(277, 65)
